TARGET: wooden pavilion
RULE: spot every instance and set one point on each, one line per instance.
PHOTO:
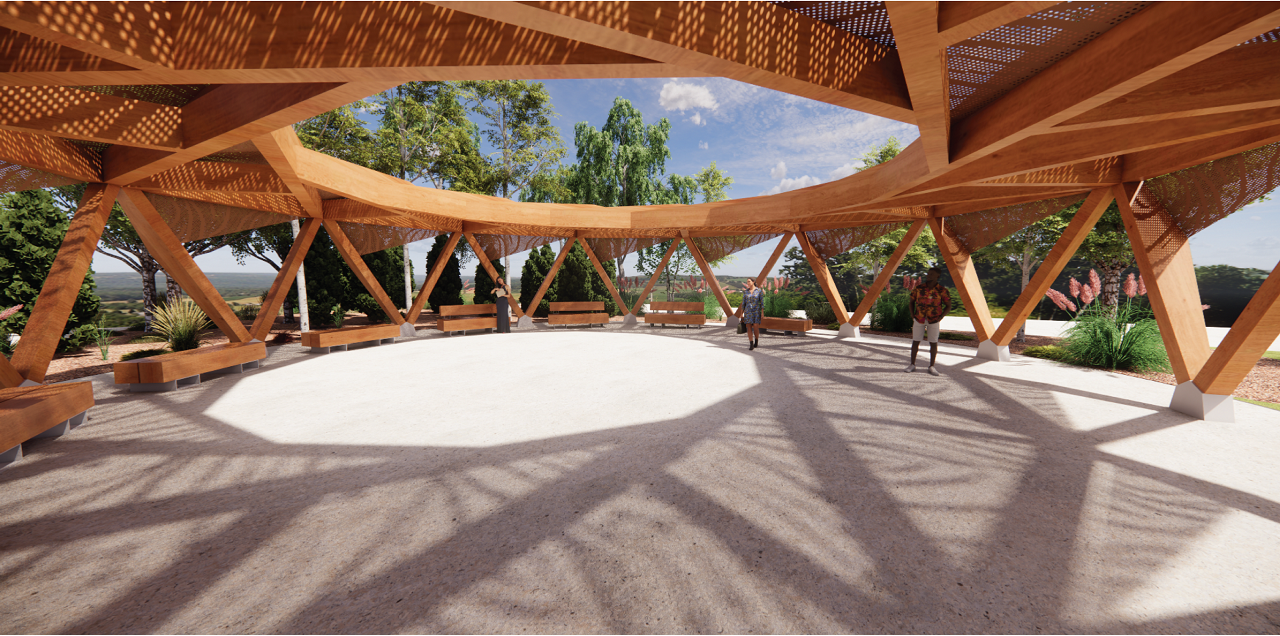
(182, 113)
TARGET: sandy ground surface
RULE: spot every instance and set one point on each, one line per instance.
(652, 480)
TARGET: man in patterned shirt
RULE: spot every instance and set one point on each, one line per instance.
(929, 303)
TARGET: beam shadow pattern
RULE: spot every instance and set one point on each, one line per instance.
(837, 495)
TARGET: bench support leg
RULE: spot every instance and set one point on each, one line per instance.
(153, 387)
(387, 341)
(235, 368)
(11, 455)
(253, 365)
(191, 381)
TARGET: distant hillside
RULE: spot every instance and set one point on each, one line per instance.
(128, 285)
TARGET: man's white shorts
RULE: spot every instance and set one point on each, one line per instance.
(918, 330)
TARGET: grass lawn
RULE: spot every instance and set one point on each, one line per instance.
(1260, 403)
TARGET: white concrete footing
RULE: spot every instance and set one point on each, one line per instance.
(629, 321)
(26, 383)
(1189, 399)
(989, 350)
(407, 330)
(64, 427)
(732, 322)
(849, 330)
(11, 455)
(525, 322)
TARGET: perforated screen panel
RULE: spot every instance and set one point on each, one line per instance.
(497, 246)
(980, 229)
(1202, 195)
(868, 19)
(368, 238)
(16, 178)
(831, 243)
(194, 220)
(714, 248)
(163, 94)
(607, 249)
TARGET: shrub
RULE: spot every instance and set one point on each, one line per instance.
(339, 314)
(102, 337)
(145, 353)
(78, 338)
(321, 314)
(149, 338)
(735, 299)
(711, 307)
(951, 335)
(180, 322)
(1047, 352)
(777, 304)
(630, 298)
(248, 312)
(367, 305)
(820, 312)
(892, 313)
(1121, 337)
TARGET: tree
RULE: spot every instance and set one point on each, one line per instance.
(339, 133)
(328, 279)
(858, 268)
(714, 183)
(578, 281)
(485, 285)
(1107, 248)
(32, 228)
(448, 289)
(1024, 251)
(880, 154)
(270, 245)
(534, 272)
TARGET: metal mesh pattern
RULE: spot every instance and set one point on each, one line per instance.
(831, 243)
(240, 153)
(980, 229)
(374, 238)
(194, 220)
(714, 248)
(868, 19)
(1202, 195)
(991, 64)
(607, 249)
(163, 94)
(16, 178)
(1266, 38)
(498, 245)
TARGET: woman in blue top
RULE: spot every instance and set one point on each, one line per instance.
(752, 304)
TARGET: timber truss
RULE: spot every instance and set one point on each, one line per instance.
(183, 112)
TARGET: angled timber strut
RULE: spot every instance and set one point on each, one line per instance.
(150, 103)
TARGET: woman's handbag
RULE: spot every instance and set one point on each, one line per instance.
(742, 327)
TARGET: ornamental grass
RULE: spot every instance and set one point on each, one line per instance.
(180, 322)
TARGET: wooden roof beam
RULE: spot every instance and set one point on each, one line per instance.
(1147, 164)
(1159, 41)
(222, 176)
(280, 149)
(924, 63)
(837, 68)
(134, 34)
(959, 21)
(50, 154)
(76, 114)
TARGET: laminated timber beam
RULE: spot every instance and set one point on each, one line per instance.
(280, 149)
(890, 267)
(965, 276)
(828, 284)
(551, 274)
(708, 274)
(50, 154)
(604, 276)
(840, 68)
(1249, 338)
(284, 279)
(429, 284)
(924, 63)
(653, 280)
(48, 318)
(362, 272)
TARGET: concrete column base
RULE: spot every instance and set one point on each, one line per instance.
(629, 321)
(28, 383)
(1189, 399)
(849, 330)
(11, 455)
(989, 350)
(525, 322)
(732, 322)
(407, 330)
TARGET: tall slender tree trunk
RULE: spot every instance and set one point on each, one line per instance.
(1025, 264)
(173, 291)
(408, 277)
(301, 280)
(1110, 271)
(149, 267)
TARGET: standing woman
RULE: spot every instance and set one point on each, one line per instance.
(502, 295)
(752, 304)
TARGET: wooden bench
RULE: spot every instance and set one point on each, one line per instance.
(184, 368)
(328, 340)
(789, 325)
(32, 412)
(467, 317)
(669, 318)
(582, 313)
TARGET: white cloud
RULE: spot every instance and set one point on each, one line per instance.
(698, 120)
(682, 97)
(845, 170)
(702, 145)
(779, 171)
(793, 184)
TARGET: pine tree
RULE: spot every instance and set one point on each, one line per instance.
(485, 284)
(448, 289)
(535, 271)
(328, 280)
(574, 279)
(31, 230)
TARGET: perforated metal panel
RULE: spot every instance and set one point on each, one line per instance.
(986, 66)
(714, 248)
(868, 19)
(368, 238)
(245, 152)
(980, 229)
(607, 249)
(497, 246)
(163, 94)
(1202, 195)
(1269, 37)
(831, 243)
(194, 220)
(16, 178)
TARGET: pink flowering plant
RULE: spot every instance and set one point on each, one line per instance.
(1122, 337)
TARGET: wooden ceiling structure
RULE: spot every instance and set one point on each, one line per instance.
(1016, 102)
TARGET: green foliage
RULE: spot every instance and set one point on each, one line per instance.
(881, 153)
(1046, 352)
(32, 227)
(144, 353)
(517, 125)
(328, 278)
(485, 284)
(388, 268)
(339, 133)
(734, 298)
(1127, 339)
(368, 305)
(150, 338)
(1227, 290)
(778, 304)
(534, 272)
(951, 335)
(180, 322)
(711, 307)
(424, 135)
(102, 338)
(127, 320)
(892, 312)
(819, 311)
(856, 269)
(339, 314)
(623, 162)
(714, 183)
(321, 314)
(248, 312)
(448, 289)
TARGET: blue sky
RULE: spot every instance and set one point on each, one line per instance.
(772, 142)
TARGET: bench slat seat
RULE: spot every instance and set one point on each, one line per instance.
(467, 317)
(789, 325)
(165, 372)
(578, 313)
(46, 410)
(343, 336)
(687, 319)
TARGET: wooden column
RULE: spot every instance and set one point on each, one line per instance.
(167, 249)
(488, 267)
(708, 274)
(357, 265)
(1164, 258)
(1249, 338)
(965, 277)
(9, 376)
(653, 280)
(546, 282)
(58, 294)
(617, 299)
(1063, 251)
(887, 272)
(430, 284)
(773, 260)
(284, 280)
(828, 284)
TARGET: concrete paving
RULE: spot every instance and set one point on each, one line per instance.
(651, 480)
